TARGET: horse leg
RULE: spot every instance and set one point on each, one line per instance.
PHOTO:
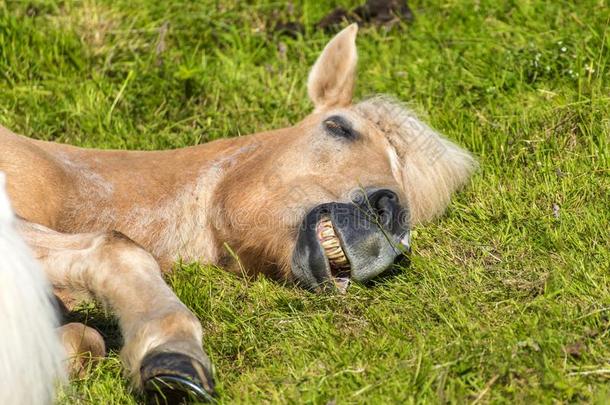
(82, 345)
(162, 338)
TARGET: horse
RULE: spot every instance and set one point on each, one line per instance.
(328, 201)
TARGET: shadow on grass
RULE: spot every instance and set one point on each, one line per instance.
(100, 320)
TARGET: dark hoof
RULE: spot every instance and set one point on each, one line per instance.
(175, 378)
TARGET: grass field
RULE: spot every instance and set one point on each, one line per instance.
(507, 298)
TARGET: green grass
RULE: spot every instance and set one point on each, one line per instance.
(507, 298)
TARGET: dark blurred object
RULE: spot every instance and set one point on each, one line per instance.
(384, 11)
(333, 20)
(291, 28)
(378, 12)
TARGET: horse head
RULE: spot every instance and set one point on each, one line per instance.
(334, 197)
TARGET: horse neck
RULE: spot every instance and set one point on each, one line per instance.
(161, 199)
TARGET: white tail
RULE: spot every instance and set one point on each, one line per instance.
(30, 351)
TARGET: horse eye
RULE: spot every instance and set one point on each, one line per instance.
(338, 126)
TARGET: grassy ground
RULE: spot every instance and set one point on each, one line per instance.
(508, 295)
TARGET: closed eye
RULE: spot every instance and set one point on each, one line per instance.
(337, 126)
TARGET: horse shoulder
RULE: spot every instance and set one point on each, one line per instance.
(37, 183)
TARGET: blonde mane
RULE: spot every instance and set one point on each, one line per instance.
(428, 166)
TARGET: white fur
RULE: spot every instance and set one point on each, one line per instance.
(30, 351)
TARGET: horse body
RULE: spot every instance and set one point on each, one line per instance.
(160, 199)
(328, 200)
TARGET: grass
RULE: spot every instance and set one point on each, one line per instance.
(507, 299)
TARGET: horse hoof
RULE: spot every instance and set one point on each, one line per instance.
(175, 378)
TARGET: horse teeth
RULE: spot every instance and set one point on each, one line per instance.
(335, 251)
(330, 241)
(327, 233)
(326, 225)
(332, 247)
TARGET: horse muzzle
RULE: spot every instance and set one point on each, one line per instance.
(343, 242)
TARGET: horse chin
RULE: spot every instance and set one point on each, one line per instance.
(339, 243)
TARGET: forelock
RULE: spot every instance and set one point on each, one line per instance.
(429, 166)
(402, 127)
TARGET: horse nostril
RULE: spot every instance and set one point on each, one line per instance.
(384, 212)
(385, 205)
(391, 196)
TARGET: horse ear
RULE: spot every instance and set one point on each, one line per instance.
(331, 80)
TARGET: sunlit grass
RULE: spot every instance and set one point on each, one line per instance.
(507, 298)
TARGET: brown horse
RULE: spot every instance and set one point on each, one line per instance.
(329, 200)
